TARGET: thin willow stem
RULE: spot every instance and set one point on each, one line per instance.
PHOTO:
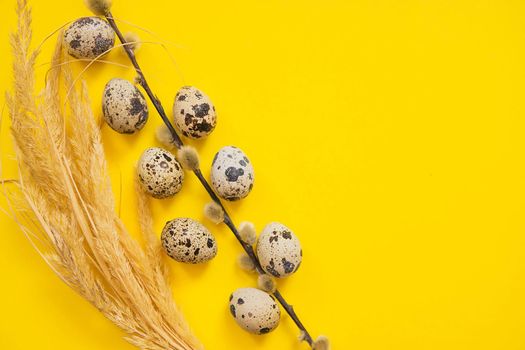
(177, 141)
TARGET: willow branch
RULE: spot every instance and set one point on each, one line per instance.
(178, 143)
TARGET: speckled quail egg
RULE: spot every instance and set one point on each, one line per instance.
(160, 173)
(194, 113)
(188, 241)
(279, 250)
(254, 310)
(124, 107)
(232, 174)
(89, 37)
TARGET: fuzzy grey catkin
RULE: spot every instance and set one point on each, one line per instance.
(214, 212)
(247, 232)
(138, 81)
(245, 262)
(266, 283)
(321, 343)
(162, 134)
(132, 41)
(99, 7)
(302, 336)
(188, 157)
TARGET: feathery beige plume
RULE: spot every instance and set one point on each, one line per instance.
(65, 206)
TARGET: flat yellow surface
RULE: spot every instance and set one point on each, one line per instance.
(389, 135)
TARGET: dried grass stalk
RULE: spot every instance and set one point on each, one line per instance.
(66, 206)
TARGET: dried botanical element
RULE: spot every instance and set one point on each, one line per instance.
(133, 40)
(214, 212)
(99, 7)
(266, 283)
(188, 157)
(247, 232)
(153, 247)
(162, 134)
(301, 336)
(321, 343)
(223, 214)
(246, 263)
(138, 80)
(65, 205)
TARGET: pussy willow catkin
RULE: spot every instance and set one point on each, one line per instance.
(234, 182)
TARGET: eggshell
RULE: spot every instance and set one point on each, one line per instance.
(254, 310)
(279, 250)
(194, 113)
(124, 107)
(89, 37)
(188, 241)
(232, 175)
(160, 173)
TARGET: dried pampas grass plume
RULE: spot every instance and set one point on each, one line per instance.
(214, 212)
(321, 343)
(65, 206)
(188, 157)
(266, 283)
(99, 7)
(247, 232)
(132, 40)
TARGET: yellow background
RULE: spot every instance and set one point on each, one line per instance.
(389, 135)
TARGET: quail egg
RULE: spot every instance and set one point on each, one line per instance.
(194, 113)
(254, 310)
(232, 173)
(124, 107)
(160, 174)
(279, 250)
(188, 241)
(89, 37)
